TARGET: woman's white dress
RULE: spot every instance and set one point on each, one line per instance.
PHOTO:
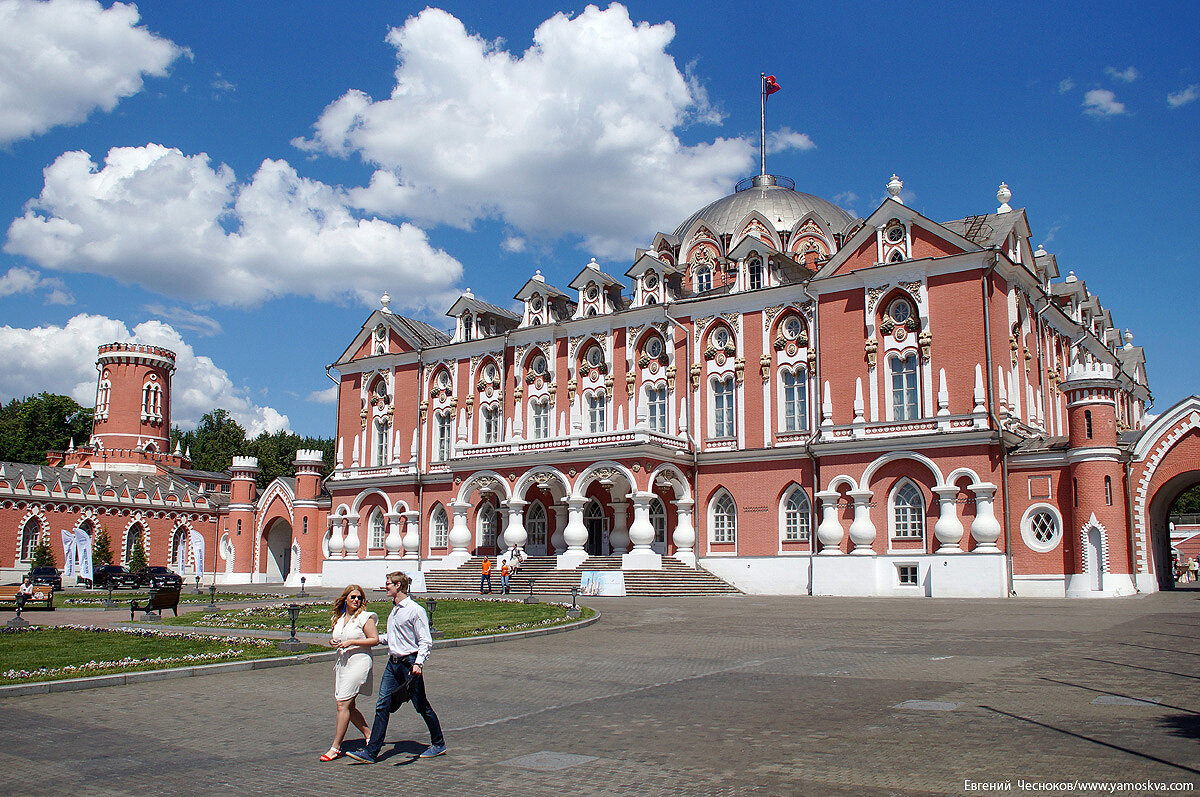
(352, 671)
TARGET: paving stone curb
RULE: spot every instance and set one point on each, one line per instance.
(122, 679)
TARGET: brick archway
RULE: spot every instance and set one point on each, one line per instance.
(1166, 462)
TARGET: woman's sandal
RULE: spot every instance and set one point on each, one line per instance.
(332, 755)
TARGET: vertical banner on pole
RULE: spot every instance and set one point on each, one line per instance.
(68, 542)
(198, 551)
(83, 549)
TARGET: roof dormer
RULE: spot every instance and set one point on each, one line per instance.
(544, 304)
(474, 319)
(599, 293)
(655, 280)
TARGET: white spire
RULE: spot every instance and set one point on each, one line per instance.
(1002, 196)
(894, 187)
(384, 301)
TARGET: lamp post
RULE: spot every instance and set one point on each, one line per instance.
(212, 596)
(292, 644)
(530, 598)
(198, 592)
(109, 603)
(574, 612)
(433, 632)
(302, 595)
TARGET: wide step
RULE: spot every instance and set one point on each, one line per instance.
(675, 579)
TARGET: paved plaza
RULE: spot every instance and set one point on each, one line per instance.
(715, 696)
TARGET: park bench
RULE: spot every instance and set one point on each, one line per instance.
(159, 599)
(41, 593)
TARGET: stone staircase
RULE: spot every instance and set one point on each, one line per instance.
(674, 579)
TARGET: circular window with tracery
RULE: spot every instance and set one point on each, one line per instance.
(443, 380)
(537, 365)
(592, 292)
(595, 356)
(895, 233)
(791, 328)
(900, 311)
(720, 337)
(1041, 528)
(650, 281)
(654, 347)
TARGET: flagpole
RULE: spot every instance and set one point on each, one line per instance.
(762, 127)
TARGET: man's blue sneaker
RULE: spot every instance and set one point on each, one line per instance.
(433, 750)
(364, 756)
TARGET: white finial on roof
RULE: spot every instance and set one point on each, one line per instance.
(537, 275)
(1002, 196)
(1071, 277)
(72, 448)
(1128, 339)
(384, 302)
(468, 294)
(894, 187)
(593, 264)
(1041, 251)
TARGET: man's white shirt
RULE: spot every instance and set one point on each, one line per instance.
(408, 631)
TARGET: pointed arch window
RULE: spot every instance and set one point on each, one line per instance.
(132, 536)
(491, 424)
(755, 274)
(905, 398)
(597, 406)
(797, 516)
(29, 538)
(795, 399)
(908, 512)
(468, 324)
(489, 525)
(535, 524)
(724, 519)
(441, 528)
(540, 412)
(658, 519)
(704, 281)
(379, 453)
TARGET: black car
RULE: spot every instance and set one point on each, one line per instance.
(47, 575)
(113, 576)
(158, 577)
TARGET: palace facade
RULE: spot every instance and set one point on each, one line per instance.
(796, 400)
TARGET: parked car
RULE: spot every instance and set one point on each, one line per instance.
(114, 576)
(158, 577)
(47, 575)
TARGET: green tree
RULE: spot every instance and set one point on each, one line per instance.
(137, 556)
(1188, 503)
(43, 555)
(31, 426)
(215, 441)
(102, 548)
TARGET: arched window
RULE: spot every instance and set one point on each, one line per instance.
(380, 344)
(535, 524)
(441, 436)
(441, 528)
(797, 516)
(703, 279)
(656, 405)
(754, 273)
(468, 325)
(724, 519)
(491, 424)
(29, 538)
(723, 407)
(904, 388)
(489, 525)
(540, 414)
(379, 453)
(597, 405)
(658, 519)
(1087, 423)
(1041, 528)
(179, 551)
(132, 536)
(908, 512)
(795, 399)
(378, 529)
(1108, 490)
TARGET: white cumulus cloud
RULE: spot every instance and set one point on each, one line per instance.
(575, 136)
(63, 360)
(327, 396)
(181, 227)
(1102, 102)
(1127, 75)
(26, 280)
(1184, 96)
(786, 138)
(60, 60)
(1065, 85)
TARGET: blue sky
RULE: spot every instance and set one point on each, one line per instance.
(239, 181)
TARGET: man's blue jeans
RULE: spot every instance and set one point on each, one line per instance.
(395, 674)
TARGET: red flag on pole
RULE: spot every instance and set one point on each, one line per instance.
(771, 86)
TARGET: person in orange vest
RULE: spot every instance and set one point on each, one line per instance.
(505, 573)
(486, 577)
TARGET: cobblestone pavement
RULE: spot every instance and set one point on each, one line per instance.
(717, 696)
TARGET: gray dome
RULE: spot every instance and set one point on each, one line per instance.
(782, 206)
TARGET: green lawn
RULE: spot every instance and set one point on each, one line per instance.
(47, 653)
(454, 617)
(94, 599)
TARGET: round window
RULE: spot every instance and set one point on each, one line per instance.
(443, 380)
(592, 292)
(1041, 529)
(650, 281)
(895, 233)
(654, 347)
(791, 327)
(380, 332)
(900, 311)
(381, 388)
(595, 356)
(535, 304)
(489, 373)
(538, 365)
(720, 338)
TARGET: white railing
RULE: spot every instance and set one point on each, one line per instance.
(597, 440)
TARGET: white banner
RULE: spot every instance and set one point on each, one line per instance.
(83, 550)
(198, 551)
(68, 540)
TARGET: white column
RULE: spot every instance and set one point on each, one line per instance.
(393, 542)
(985, 529)
(862, 530)
(515, 535)
(684, 536)
(574, 535)
(460, 536)
(618, 538)
(641, 534)
(948, 529)
(336, 545)
(412, 536)
(352, 541)
(557, 543)
(830, 531)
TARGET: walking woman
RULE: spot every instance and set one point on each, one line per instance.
(355, 632)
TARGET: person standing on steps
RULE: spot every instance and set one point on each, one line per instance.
(486, 577)
(409, 642)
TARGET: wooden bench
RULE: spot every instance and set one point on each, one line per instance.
(42, 593)
(159, 599)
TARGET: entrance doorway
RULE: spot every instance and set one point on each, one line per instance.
(279, 552)
(597, 529)
(535, 527)
(1094, 558)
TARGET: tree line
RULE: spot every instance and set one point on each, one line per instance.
(31, 426)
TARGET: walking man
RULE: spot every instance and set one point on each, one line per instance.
(486, 577)
(409, 642)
